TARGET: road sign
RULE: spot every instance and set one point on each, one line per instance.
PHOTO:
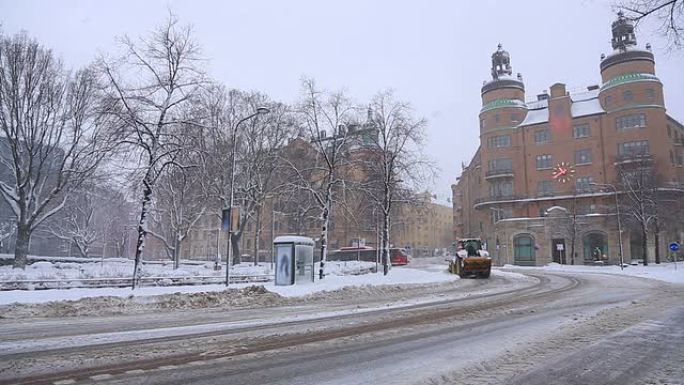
(674, 246)
(560, 246)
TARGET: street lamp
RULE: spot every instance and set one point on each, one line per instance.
(617, 212)
(229, 254)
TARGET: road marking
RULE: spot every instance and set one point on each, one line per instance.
(135, 371)
(167, 367)
(65, 382)
(99, 377)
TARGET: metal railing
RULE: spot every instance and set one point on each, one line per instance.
(499, 172)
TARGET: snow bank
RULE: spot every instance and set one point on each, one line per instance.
(334, 280)
(663, 272)
(123, 268)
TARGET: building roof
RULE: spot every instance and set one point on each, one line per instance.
(584, 103)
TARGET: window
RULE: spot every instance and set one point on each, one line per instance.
(627, 96)
(501, 189)
(607, 101)
(669, 131)
(499, 214)
(672, 157)
(633, 148)
(627, 122)
(515, 119)
(499, 141)
(581, 131)
(584, 183)
(497, 118)
(583, 156)
(544, 161)
(542, 136)
(545, 187)
(650, 94)
(482, 123)
(501, 164)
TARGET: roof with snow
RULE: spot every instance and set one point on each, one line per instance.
(583, 103)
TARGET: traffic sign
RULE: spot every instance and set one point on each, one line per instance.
(674, 246)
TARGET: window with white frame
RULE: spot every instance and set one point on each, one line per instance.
(639, 147)
(500, 141)
(544, 161)
(542, 136)
(581, 131)
(583, 156)
(584, 182)
(628, 122)
(500, 164)
(545, 187)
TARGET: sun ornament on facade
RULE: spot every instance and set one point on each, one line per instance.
(563, 172)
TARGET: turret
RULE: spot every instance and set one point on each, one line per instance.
(628, 73)
(503, 97)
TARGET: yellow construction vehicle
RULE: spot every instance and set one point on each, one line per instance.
(471, 260)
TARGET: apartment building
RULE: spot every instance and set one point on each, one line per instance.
(543, 183)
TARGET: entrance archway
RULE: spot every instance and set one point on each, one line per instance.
(595, 245)
(523, 247)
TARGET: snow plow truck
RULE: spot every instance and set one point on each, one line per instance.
(470, 259)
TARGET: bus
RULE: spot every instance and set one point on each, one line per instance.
(398, 257)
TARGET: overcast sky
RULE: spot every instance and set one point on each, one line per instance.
(434, 54)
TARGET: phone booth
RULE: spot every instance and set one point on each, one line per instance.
(294, 263)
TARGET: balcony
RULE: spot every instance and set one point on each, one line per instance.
(499, 173)
(624, 159)
(498, 198)
(678, 142)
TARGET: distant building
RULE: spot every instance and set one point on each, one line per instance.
(533, 178)
(424, 227)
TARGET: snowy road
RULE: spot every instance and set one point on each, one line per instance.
(551, 329)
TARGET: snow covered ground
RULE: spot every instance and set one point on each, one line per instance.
(667, 272)
(56, 268)
(338, 275)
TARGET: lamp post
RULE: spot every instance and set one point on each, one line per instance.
(617, 212)
(229, 254)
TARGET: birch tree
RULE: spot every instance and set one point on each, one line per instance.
(395, 160)
(149, 88)
(53, 136)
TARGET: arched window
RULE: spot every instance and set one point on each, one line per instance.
(523, 246)
(595, 245)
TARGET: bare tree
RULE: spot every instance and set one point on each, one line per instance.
(53, 135)
(668, 14)
(180, 203)
(395, 159)
(258, 142)
(6, 231)
(325, 117)
(78, 224)
(149, 88)
(639, 197)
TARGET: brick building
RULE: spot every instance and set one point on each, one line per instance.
(545, 170)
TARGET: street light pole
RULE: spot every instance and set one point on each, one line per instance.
(617, 212)
(231, 202)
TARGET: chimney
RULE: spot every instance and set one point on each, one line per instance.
(558, 90)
